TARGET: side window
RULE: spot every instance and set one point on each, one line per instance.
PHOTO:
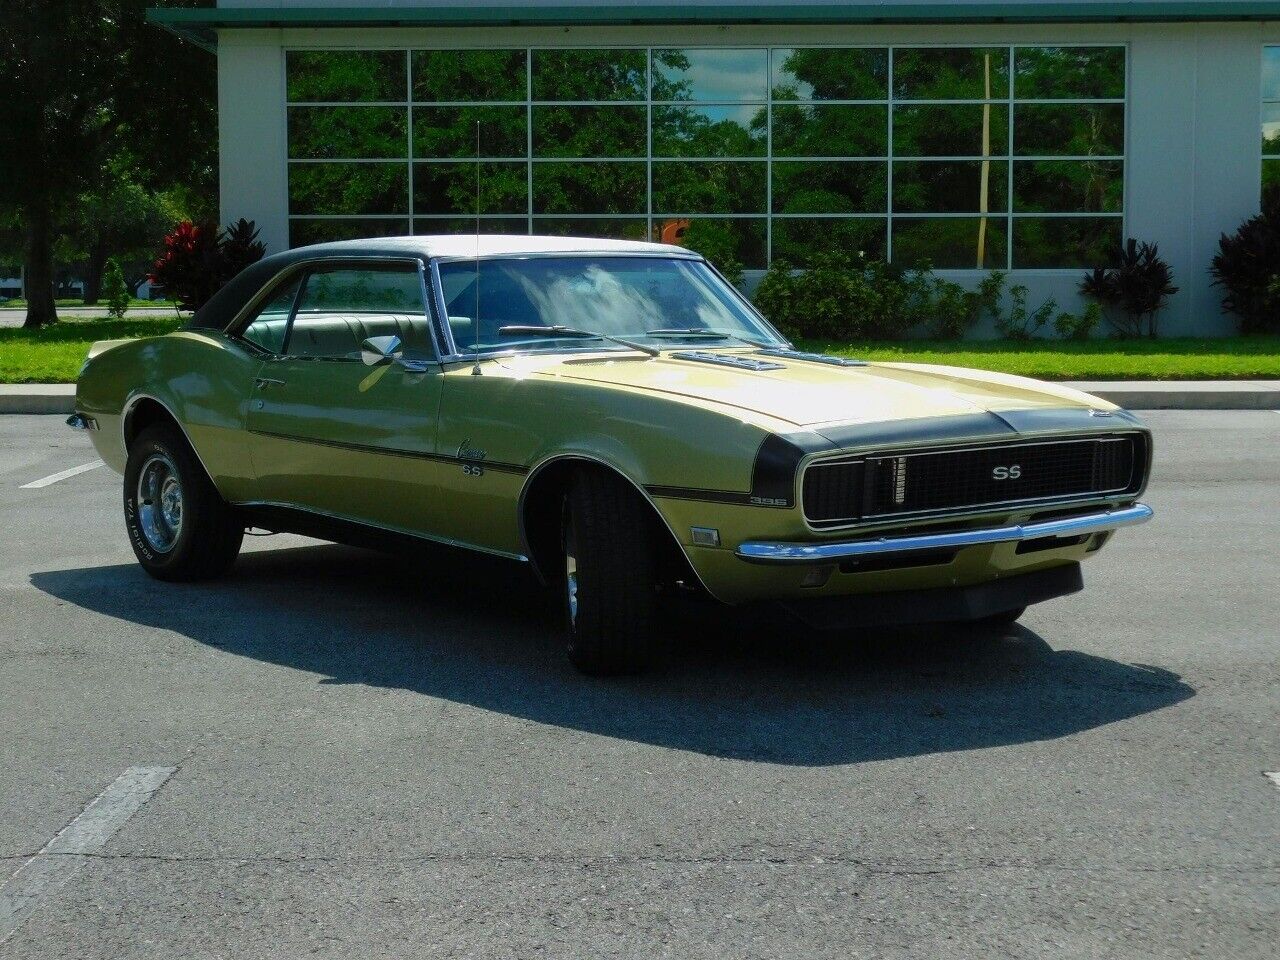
(267, 328)
(341, 307)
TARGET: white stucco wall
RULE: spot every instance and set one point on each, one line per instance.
(252, 175)
(1193, 158)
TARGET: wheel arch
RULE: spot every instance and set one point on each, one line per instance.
(144, 410)
(539, 518)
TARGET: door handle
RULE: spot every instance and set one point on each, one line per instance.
(261, 382)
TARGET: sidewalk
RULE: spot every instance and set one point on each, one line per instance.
(1133, 394)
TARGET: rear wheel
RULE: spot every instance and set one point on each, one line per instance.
(609, 579)
(179, 527)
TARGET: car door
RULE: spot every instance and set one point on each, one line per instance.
(332, 433)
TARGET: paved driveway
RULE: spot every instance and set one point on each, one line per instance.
(336, 753)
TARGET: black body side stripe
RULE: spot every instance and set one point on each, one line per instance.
(393, 452)
(698, 493)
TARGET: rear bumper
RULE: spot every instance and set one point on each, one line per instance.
(802, 553)
(945, 604)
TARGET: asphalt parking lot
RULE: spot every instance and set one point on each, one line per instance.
(365, 756)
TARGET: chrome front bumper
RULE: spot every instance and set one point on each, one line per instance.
(793, 553)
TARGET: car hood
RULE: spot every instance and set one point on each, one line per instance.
(810, 394)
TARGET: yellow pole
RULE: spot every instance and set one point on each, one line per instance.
(984, 189)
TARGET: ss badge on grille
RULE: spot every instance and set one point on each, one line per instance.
(1012, 472)
(900, 480)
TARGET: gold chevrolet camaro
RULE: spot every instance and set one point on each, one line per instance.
(617, 416)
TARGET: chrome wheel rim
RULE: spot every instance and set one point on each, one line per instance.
(571, 575)
(159, 503)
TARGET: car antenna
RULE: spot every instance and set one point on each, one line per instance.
(475, 314)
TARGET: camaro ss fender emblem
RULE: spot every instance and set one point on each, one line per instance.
(1012, 472)
(466, 453)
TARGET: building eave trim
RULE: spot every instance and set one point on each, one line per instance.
(202, 25)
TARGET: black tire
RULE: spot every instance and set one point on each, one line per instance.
(198, 540)
(1005, 618)
(609, 579)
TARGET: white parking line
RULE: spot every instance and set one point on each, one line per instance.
(83, 837)
(61, 475)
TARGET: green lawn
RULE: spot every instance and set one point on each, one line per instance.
(19, 303)
(54, 355)
(1182, 358)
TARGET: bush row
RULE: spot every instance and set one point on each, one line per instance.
(843, 297)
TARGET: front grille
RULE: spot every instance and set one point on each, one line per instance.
(941, 481)
(830, 490)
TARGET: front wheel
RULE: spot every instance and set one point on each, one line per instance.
(609, 581)
(179, 527)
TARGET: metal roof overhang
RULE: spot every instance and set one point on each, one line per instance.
(202, 25)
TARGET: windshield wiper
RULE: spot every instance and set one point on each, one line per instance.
(707, 333)
(560, 330)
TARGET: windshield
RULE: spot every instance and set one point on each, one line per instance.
(654, 300)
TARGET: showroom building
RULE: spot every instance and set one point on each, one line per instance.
(1031, 135)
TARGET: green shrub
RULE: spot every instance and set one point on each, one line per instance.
(1247, 267)
(198, 260)
(1070, 327)
(114, 290)
(843, 298)
(944, 310)
(1134, 291)
(1020, 323)
(836, 298)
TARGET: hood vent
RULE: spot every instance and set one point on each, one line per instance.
(727, 360)
(814, 358)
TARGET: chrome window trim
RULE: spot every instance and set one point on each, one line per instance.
(978, 509)
(456, 354)
(235, 327)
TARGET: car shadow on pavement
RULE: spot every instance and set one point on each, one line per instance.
(480, 632)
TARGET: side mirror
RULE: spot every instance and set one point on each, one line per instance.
(377, 350)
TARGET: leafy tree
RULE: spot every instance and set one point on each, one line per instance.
(114, 290)
(80, 78)
(121, 218)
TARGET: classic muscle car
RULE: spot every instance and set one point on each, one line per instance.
(617, 416)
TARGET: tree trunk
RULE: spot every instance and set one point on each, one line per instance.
(93, 274)
(41, 309)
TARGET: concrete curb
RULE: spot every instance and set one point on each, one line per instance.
(1186, 394)
(37, 397)
(1133, 394)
